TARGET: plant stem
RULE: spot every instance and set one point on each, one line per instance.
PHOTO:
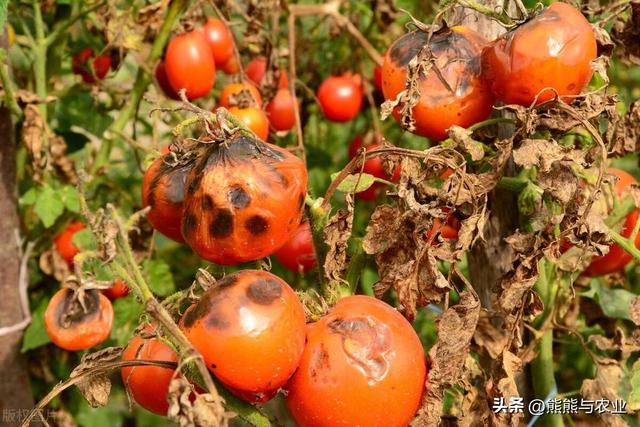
(620, 211)
(356, 264)
(7, 85)
(40, 63)
(318, 217)
(512, 183)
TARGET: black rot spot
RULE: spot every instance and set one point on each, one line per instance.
(256, 225)
(264, 291)
(222, 224)
(189, 224)
(239, 198)
(207, 203)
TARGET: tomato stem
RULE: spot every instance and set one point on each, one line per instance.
(7, 85)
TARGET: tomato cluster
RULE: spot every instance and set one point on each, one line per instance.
(89, 66)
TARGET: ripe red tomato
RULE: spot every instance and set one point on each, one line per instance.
(447, 229)
(232, 66)
(64, 242)
(189, 64)
(340, 98)
(117, 290)
(249, 327)
(244, 200)
(220, 40)
(163, 190)
(377, 77)
(553, 50)
(280, 111)
(100, 65)
(258, 67)
(617, 258)
(298, 254)
(372, 166)
(254, 118)
(149, 385)
(361, 354)
(457, 51)
(240, 94)
(70, 327)
(163, 81)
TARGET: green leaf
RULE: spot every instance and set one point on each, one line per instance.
(84, 240)
(48, 206)
(126, 316)
(106, 416)
(633, 401)
(30, 197)
(613, 302)
(71, 198)
(355, 183)
(35, 336)
(159, 277)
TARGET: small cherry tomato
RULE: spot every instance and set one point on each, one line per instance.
(163, 82)
(340, 98)
(244, 199)
(189, 64)
(298, 254)
(71, 327)
(257, 68)
(360, 354)
(149, 385)
(372, 166)
(447, 229)
(100, 65)
(117, 290)
(232, 66)
(552, 51)
(240, 94)
(280, 111)
(220, 40)
(64, 242)
(250, 328)
(468, 98)
(254, 118)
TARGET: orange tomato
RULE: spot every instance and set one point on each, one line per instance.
(230, 93)
(117, 290)
(254, 118)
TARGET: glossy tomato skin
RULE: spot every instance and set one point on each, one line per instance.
(231, 95)
(64, 242)
(457, 50)
(617, 258)
(257, 68)
(340, 98)
(117, 290)
(149, 385)
(372, 166)
(244, 200)
(553, 50)
(280, 111)
(100, 65)
(220, 40)
(298, 254)
(361, 354)
(254, 118)
(163, 82)
(377, 77)
(189, 64)
(78, 330)
(163, 190)
(249, 327)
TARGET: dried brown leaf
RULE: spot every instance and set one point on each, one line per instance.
(33, 134)
(627, 36)
(336, 234)
(634, 310)
(188, 408)
(462, 139)
(96, 388)
(605, 386)
(489, 338)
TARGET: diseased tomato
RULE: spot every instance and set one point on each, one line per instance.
(372, 166)
(254, 118)
(280, 111)
(163, 190)
(244, 200)
(257, 68)
(617, 258)
(298, 254)
(232, 66)
(249, 327)
(363, 365)
(163, 82)
(468, 99)
(71, 327)
(240, 94)
(551, 51)
(117, 290)
(64, 242)
(149, 385)
(220, 40)
(189, 64)
(100, 65)
(340, 98)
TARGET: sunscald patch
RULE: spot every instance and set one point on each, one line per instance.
(264, 291)
(239, 198)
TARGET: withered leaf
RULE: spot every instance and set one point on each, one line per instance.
(336, 234)
(634, 310)
(605, 386)
(627, 35)
(462, 138)
(490, 338)
(199, 411)
(96, 387)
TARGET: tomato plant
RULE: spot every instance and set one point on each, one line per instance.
(372, 166)
(189, 64)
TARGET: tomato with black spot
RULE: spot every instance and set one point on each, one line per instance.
(189, 64)
(372, 166)
(340, 97)
(244, 200)
(548, 54)
(220, 40)
(363, 365)
(64, 242)
(240, 94)
(465, 99)
(281, 111)
(117, 290)
(89, 66)
(298, 254)
(74, 327)
(250, 328)
(163, 81)
(149, 385)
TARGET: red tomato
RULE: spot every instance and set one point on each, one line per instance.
(232, 66)
(372, 166)
(254, 118)
(249, 327)
(298, 254)
(64, 242)
(448, 230)
(189, 64)
(72, 328)
(100, 65)
(244, 199)
(149, 385)
(340, 98)
(457, 51)
(377, 77)
(553, 50)
(240, 94)
(363, 365)
(117, 290)
(280, 111)
(163, 82)
(220, 40)
(258, 67)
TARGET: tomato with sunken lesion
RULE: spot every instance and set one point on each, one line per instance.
(220, 40)
(372, 166)
(340, 97)
(281, 111)
(72, 327)
(548, 54)
(64, 242)
(360, 354)
(244, 199)
(117, 290)
(298, 254)
(250, 329)
(89, 66)
(189, 64)
(149, 385)
(240, 94)
(468, 98)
